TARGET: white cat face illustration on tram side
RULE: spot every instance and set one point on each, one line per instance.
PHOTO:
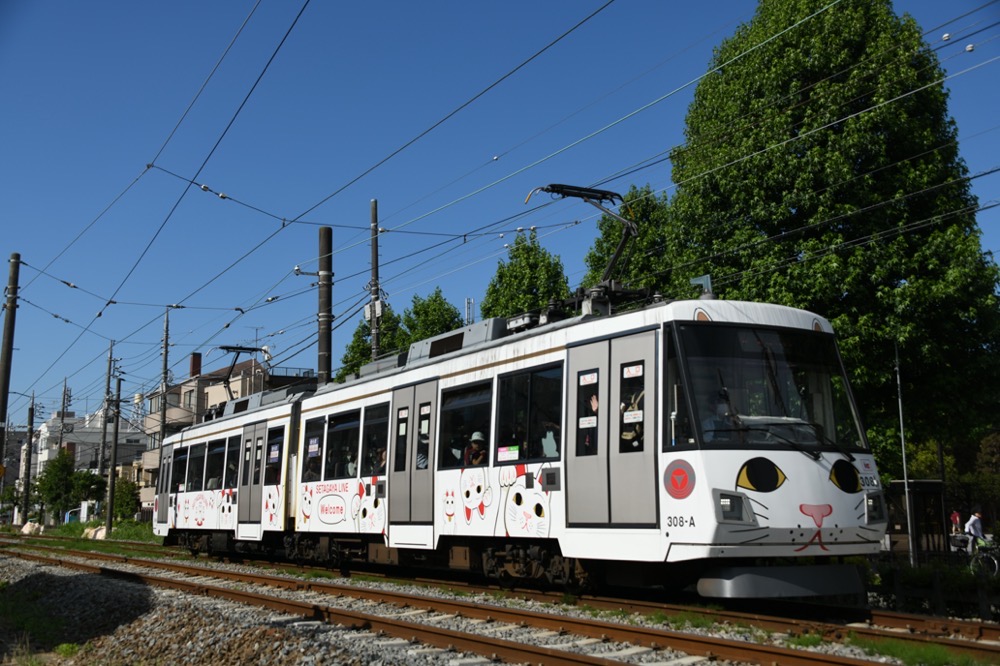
(272, 506)
(370, 511)
(526, 510)
(801, 509)
(227, 508)
(476, 495)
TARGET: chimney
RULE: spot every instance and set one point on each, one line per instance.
(195, 364)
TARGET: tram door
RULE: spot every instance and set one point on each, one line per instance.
(163, 484)
(249, 497)
(411, 475)
(611, 438)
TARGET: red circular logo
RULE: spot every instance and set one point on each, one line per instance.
(678, 479)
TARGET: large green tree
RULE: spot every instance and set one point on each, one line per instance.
(821, 170)
(528, 280)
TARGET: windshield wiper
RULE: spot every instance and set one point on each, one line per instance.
(815, 455)
(821, 436)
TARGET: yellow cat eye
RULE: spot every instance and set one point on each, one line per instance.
(845, 476)
(760, 475)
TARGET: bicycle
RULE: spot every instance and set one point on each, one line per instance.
(985, 559)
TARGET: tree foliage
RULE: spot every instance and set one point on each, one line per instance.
(528, 280)
(426, 317)
(821, 170)
(641, 263)
(126, 499)
(61, 488)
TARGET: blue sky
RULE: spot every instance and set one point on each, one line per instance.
(299, 126)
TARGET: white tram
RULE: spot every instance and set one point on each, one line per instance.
(705, 441)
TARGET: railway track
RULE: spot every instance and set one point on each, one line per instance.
(515, 634)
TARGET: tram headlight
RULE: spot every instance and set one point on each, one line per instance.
(875, 508)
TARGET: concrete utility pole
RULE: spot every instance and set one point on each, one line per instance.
(375, 305)
(325, 303)
(104, 416)
(7, 345)
(112, 472)
(163, 376)
(62, 415)
(26, 461)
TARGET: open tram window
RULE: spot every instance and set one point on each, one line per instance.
(196, 469)
(374, 450)
(232, 462)
(587, 405)
(179, 470)
(465, 413)
(343, 432)
(275, 446)
(214, 464)
(631, 430)
(313, 449)
(529, 415)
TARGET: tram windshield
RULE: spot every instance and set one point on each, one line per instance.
(767, 387)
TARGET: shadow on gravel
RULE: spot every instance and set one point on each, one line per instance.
(40, 611)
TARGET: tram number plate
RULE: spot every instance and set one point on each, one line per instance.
(680, 521)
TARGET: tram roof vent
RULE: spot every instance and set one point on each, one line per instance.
(463, 338)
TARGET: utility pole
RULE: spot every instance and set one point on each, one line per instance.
(325, 303)
(112, 471)
(62, 415)
(26, 461)
(7, 345)
(104, 416)
(163, 376)
(375, 305)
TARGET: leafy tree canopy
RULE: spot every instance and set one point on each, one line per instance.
(61, 488)
(821, 170)
(425, 318)
(126, 499)
(641, 262)
(528, 280)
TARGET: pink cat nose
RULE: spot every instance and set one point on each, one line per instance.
(817, 512)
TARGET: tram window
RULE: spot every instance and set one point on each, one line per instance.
(374, 450)
(196, 469)
(232, 462)
(342, 434)
(214, 464)
(402, 428)
(587, 420)
(678, 431)
(180, 469)
(258, 454)
(423, 435)
(313, 449)
(529, 415)
(464, 412)
(630, 420)
(272, 465)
